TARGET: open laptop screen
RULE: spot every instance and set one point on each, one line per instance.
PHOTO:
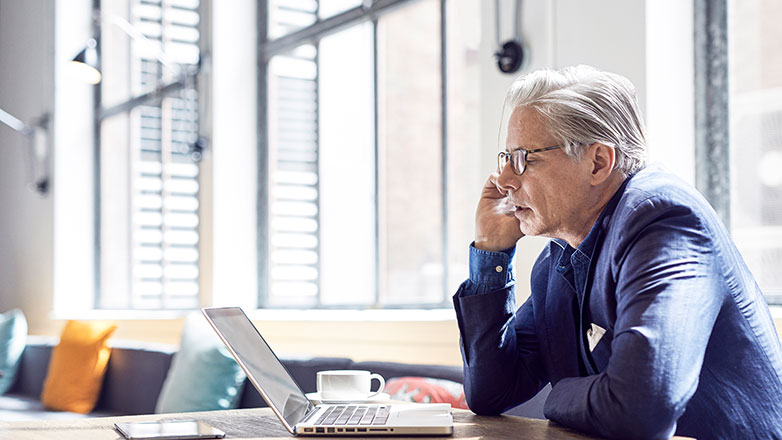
(260, 363)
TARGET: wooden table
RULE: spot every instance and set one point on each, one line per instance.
(261, 424)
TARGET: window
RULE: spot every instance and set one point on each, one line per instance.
(739, 127)
(371, 127)
(755, 71)
(148, 191)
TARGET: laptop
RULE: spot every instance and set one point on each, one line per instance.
(298, 414)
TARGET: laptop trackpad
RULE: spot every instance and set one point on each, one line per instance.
(427, 410)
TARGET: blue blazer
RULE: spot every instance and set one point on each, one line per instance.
(689, 346)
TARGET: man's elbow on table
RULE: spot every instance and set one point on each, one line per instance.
(615, 415)
(650, 425)
(484, 405)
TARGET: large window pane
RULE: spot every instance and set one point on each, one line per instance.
(410, 162)
(356, 187)
(347, 167)
(756, 138)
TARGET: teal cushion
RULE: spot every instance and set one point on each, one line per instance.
(203, 375)
(13, 335)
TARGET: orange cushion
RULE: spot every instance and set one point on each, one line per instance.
(77, 367)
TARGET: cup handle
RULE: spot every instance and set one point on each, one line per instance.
(382, 384)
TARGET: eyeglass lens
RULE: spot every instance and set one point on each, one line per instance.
(517, 161)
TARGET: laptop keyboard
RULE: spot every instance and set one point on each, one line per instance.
(355, 415)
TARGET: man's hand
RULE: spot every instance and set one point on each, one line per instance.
(496, 227)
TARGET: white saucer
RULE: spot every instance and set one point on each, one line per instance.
(379, 397)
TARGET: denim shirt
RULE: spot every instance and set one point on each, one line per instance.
(689, 345)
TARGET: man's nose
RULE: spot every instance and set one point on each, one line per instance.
(508, 180)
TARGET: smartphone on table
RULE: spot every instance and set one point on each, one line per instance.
(168, 430)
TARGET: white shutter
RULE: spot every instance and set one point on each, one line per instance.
(294, 225)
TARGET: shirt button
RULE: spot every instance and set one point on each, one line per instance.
(498, 268)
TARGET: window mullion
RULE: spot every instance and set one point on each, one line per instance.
(263, 202)
(444, 146)
(712, 137)
(376, 155)
(318, 232)
(97, 103)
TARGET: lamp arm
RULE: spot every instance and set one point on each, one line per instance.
(37, 136)
(16, 124)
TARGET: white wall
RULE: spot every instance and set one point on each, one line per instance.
(26, 220)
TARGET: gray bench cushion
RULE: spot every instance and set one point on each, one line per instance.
(134, 377)
(33, 367)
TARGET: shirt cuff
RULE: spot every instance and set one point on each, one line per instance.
(492, 270)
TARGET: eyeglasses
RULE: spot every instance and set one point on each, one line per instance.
(518, 159)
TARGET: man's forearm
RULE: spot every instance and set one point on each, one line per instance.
(501, 363)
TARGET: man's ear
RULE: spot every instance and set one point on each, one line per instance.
(603, 161)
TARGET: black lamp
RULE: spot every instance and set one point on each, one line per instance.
(87, 62)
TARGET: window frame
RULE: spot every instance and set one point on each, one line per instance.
(712, 43)
(370, 10)
(712, 117)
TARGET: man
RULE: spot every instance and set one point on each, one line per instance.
(643, 316)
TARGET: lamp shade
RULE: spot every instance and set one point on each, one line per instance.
(87, 63)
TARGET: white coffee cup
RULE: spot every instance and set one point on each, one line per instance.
(347, 384)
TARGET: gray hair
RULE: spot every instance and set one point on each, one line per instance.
(582, 105)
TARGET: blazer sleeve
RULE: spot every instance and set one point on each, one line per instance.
(502, 366)
(668, 297)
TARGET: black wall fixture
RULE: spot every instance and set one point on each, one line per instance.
(511, 54)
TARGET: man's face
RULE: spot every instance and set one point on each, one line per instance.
(551, 195)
